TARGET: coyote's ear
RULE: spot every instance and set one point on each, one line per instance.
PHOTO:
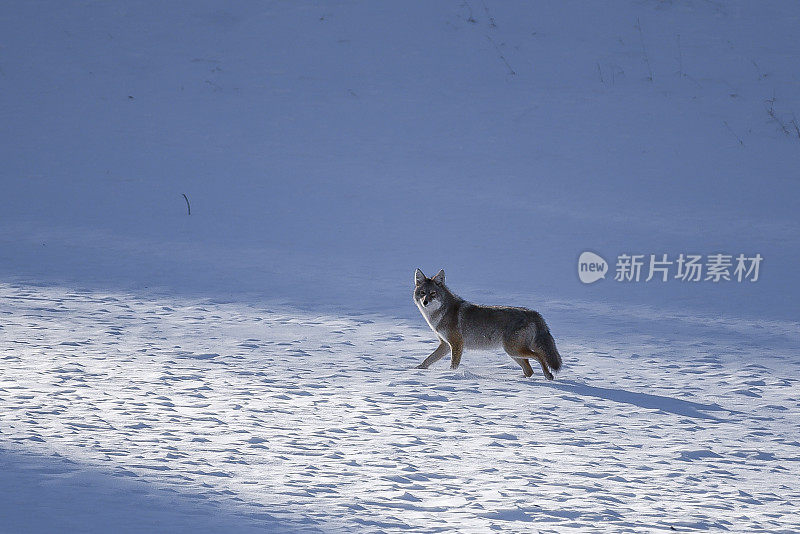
(439, 278)
(418, 277)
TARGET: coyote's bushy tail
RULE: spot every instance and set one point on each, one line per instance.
(545, 343)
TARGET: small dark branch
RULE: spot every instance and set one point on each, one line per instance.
(470, 18)
(681, 72)
(188, 207)
(734, 133)
(600, 73)
(502, 57)
(492, 23)
(758, 70)
(644, 50)
(774, 116)
(778, 120)
(614, 73)
(771, 102)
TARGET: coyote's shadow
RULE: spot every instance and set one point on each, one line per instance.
(643, 400)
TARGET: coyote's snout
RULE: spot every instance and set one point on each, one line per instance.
(460, 325)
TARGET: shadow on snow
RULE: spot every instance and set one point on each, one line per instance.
(643, 400)
(41, 493)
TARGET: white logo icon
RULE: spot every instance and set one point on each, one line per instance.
(591, 267)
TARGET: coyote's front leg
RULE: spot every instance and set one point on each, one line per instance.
(456, 349)
(435, 356)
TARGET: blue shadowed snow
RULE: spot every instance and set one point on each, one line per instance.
(54, 494)
(329, 149)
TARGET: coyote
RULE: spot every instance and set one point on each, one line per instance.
(459, 324)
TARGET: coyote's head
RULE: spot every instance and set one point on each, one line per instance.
(429, 291)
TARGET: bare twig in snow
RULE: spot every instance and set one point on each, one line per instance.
(188, 207)
(771, 102)
(492, 23)
(774, 116)
(470, 18)
(758, 70)
(778, 120)
(502, 57)
(734, 133)
(644, 50)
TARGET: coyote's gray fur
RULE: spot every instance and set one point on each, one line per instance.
(462, 325)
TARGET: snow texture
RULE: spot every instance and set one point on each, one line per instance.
(250, 367)
(266, 416)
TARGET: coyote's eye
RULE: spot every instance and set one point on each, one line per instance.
(432, 295)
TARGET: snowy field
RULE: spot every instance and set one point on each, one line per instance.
(249, 367)
(260, 416)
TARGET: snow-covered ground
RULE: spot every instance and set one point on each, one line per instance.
(267, 416)
(250, 366)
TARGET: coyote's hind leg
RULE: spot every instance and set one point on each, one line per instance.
(526, 366)
(521, 353)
